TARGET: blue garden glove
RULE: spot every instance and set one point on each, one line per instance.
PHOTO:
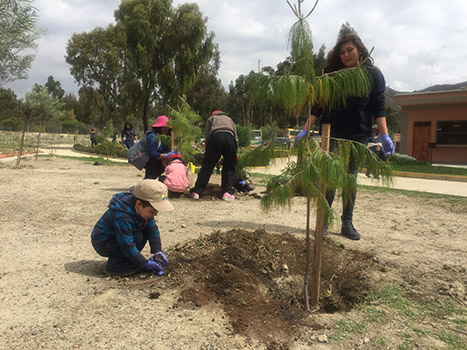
(155, 267)
(388, 146)
(301, 134)
(167, 155)
(161, 258)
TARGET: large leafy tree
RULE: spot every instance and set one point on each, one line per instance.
(207, 93)
(54, 87)
(165, 49)
(345, 29)
(237, 101)
(44, 106)
(97, 61)
(70, 101)
(91, 107)
(249, 99)
(10, 110)
(17, 36)
(251, 102)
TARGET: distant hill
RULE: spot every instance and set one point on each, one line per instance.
(390, 93)
(389, 98)
(393, 110)
(445, 87)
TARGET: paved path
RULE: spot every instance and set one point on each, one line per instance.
(65, 151)
(456, 188)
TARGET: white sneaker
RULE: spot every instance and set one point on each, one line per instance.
(228, 197)
(194, 195)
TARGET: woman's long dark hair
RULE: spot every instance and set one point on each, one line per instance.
(334, 62)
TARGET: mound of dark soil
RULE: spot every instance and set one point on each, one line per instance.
(257, 278)
(211, 192)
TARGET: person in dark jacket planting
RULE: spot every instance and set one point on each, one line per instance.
(353, 121)
(150, 152)
(125, 228)
(158, 151)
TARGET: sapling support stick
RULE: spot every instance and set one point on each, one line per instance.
(316, 274)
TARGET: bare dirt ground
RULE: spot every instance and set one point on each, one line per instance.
(236, 273)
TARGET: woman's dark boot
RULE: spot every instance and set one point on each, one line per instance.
(348, 230)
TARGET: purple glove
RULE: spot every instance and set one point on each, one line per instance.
(167, 155)
(388, 146)
(301, 134)
(155, 267)
(160, 258)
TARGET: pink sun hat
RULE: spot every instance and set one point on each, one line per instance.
(161, 121)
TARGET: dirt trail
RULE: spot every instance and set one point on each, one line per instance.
(55, 295)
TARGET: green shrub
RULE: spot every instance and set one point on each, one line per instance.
(244, 135)
(269, 133)
(403, 159)
(105, 148)
(72, 126)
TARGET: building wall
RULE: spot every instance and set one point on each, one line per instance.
(404, 128)
(433, 107)
(449, 155)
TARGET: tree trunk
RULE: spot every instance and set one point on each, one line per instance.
(27, 114)
(147, 94)
(21, 145)
(243, 113)
(38, 144)
(250, 113)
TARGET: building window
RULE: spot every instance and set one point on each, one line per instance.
(451, 132)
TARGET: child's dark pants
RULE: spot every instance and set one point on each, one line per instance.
(118, 262)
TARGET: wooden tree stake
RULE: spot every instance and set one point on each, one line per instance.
(316, 274)
(308, 255)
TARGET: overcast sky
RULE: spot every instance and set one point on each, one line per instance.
(418, 43)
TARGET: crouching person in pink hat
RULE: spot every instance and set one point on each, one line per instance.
(125, 228)
(176, 175)
(158, 151)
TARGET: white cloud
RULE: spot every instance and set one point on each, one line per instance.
(417, 43)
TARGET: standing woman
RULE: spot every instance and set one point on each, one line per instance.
(221, 140)
(354, 121)
(128, 133)
(158, 151)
